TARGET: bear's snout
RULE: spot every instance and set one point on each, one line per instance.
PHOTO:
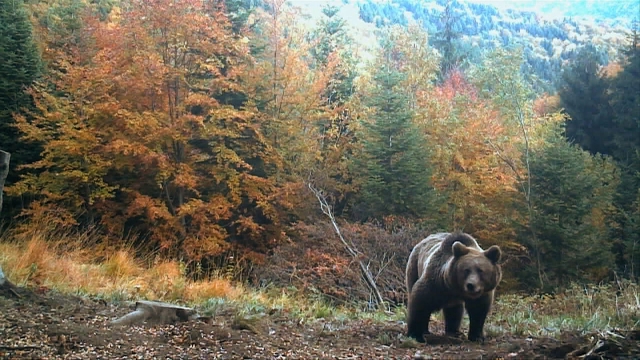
(473, 288)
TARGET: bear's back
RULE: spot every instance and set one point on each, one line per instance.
(436, 249)
(466, 240)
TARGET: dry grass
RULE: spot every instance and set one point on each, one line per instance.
(69, 262)
(74, 263)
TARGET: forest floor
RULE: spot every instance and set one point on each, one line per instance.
(50, 325)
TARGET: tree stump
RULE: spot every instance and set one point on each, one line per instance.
(6, 287)
(156, 313)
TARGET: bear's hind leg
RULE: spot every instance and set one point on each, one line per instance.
(478, 310)
(453, 319)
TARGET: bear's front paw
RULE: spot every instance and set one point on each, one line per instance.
(417, 337)
(476, 338)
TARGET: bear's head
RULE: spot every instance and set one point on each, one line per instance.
(476, 271)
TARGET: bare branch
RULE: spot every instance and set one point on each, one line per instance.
(384, 264)
(369, 280)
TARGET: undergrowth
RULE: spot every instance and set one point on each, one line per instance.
(66, 262)
(580, 308)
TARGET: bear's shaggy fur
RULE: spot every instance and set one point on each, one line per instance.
(450, 271)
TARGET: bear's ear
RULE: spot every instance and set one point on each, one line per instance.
(493, 253)
(459, 249)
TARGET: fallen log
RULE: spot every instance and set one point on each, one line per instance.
(154, 312)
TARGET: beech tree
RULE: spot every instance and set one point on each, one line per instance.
(333, 52)
(289, 95)
(477, 187)
(140, 142)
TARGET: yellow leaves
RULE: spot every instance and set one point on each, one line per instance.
(205, 236)
(541, 126)
(122, 149)
(418, 61)
(467, 138)
(214, 210)
(292, 91)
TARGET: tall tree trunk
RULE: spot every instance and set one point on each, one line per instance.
(5, 157)
(5, 284)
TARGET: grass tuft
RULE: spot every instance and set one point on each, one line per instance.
(121, 265)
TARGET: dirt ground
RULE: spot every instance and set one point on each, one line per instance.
(48, 325)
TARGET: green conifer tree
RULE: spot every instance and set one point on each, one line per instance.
(395, 164)
(625, 103)
(20, 65)
(574, 193)
(583, 95)
(447, 40)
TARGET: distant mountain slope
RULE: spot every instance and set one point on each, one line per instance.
(551, 32)
(549, 41)
(614, 11)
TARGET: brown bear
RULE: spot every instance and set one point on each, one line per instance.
(450, 271)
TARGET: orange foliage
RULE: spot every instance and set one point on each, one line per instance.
(465, 134)
(611, 70)
(291, 93)
(546, 104)
(144, 139)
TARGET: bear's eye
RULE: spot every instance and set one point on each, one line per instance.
(479, 271)
(467, 272)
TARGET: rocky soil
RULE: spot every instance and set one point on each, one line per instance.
(48, 325)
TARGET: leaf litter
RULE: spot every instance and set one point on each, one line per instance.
(50, 325)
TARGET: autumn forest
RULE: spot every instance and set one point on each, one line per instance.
(207, 132)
